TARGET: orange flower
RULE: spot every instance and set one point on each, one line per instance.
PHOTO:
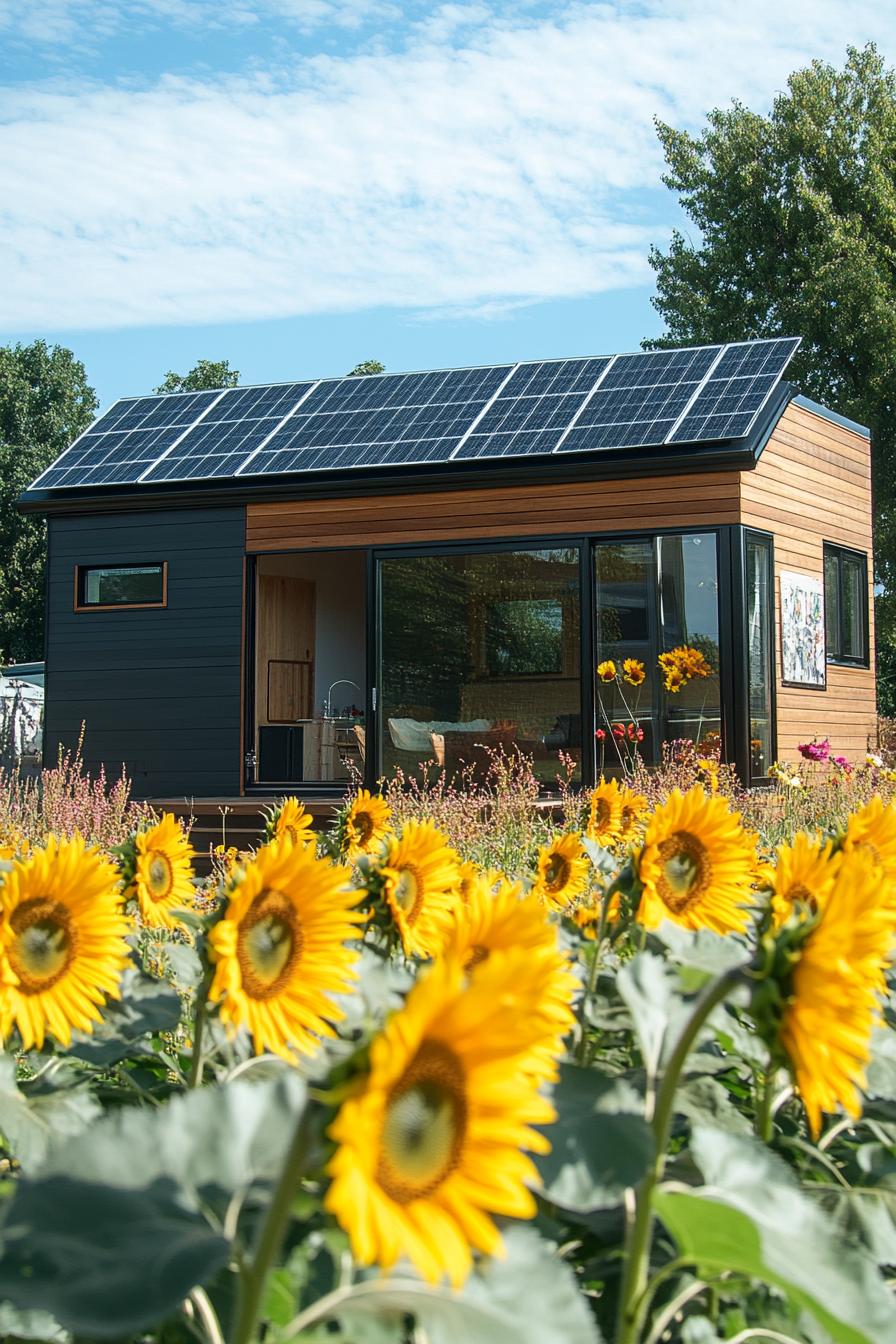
(633, 671)
(606, 670)
(674, 679)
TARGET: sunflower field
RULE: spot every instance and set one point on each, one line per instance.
(626, 1076)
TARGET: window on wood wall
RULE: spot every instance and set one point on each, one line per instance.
(846, 605)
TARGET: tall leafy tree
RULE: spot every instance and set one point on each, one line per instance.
(205, 375)
(45, 403)
(795, 217)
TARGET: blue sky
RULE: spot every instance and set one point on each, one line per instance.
(300, 184)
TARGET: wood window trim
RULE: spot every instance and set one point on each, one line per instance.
(862, 662)
(81, 607)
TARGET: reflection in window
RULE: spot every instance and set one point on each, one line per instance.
(653, 596)
(480, 650)
(846, 605)
(759, 654)
(120, 585)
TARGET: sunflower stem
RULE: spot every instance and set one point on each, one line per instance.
(633, 1298)
(196, 1063)
(764, 1112)
(270, 1238)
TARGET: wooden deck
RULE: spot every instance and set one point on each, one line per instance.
(237, 821)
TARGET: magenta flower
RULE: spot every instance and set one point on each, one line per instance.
(815, 751)
(841, 763)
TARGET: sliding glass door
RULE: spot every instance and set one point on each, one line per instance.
(656, 604)
(479, 650)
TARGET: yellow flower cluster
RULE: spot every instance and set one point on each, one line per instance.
(679, 665)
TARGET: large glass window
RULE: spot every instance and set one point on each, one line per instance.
(846, 605)
(760, 661)
(656, 597)
(480, 650)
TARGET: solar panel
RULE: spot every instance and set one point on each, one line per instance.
(382, 421)
(539, 408)
(232, 429)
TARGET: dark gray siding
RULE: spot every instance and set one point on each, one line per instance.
(157, 690)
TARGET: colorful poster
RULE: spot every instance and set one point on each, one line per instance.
(802, 630)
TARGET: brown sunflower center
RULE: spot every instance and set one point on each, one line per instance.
(600, 813)
(159, 875)
(269, 945)
(556, 872)
(43, 946)
(362, 824)
(475, 957)
(408, 892)
(424, 1125)
(685, 871)
(627, 818)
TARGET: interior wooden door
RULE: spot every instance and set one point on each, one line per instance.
(284, 649)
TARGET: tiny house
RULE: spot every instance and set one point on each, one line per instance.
(269, 589)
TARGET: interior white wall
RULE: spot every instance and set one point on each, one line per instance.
(340, 589)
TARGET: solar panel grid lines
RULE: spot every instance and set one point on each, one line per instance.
(532, 408)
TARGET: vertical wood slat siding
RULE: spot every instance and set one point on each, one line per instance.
(158, 690)
(813, 484)
(502, 511)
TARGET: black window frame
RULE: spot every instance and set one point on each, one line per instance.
(82, 572)
(833, 550)
(757, 537)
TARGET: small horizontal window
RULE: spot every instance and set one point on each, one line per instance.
(846, 605)
(120, 586)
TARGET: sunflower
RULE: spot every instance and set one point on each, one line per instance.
(633, 807)
(562, 871)
(290, 819)
(802, 877)
(281, 950)
(605, 813)
(365, 825)
(633, 671)
(696, 866)
(832, 1004)
(62, 942)
(606, 671)
(162, 873)
(674, 679)
(419, 874)
(873, 829)
(432, 1146)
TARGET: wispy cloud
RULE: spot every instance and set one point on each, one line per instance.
(476, 161)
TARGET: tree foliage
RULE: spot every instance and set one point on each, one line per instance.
(205, 375)
(367, 366)
(796, 213)
(45, 403)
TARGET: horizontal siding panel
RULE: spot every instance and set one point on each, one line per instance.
(495, 511)
(157, 689)
(813, 484)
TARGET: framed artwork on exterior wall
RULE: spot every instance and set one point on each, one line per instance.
(802, 631)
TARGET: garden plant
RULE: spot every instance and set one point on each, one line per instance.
(457, 1068)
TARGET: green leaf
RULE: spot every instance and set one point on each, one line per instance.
(652, 993)
(704, 1099)
(600, 1143)
(882, 1068)
(210, 1142)
(104, 1262)
(701, 954)
(752, 1218)
(31, 1115)
(184, 964)
(37, 1325)
(145, 1008)
(529, 1297)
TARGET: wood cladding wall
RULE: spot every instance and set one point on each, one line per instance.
(813, 484)
(495, 511)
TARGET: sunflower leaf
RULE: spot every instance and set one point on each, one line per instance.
(38, 1325)
(652, 992)
(126, 1266)
(32, 1115)
(529, 1297)
(146, 1006)
(751, 1217)
(600, 1143)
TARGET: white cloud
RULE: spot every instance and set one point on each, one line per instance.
(514, 167)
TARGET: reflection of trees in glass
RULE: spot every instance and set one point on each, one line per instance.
(524, 637)
(125, 585)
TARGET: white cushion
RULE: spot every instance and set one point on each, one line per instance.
(412, 735)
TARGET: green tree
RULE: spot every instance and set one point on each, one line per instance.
(205, 375)
(796, 213)
(366, 367)
(45, 403)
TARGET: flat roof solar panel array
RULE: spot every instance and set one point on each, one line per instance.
(538, 408)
